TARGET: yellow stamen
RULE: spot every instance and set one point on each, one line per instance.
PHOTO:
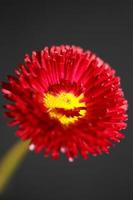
(67, 101)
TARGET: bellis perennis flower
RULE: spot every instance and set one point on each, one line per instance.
(66, 100)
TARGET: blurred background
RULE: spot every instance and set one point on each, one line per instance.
(105, 27)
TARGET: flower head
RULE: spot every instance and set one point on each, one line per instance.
(66, 99)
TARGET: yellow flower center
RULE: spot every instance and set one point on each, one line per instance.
(65, 107)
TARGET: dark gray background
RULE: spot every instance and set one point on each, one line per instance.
(106, 27)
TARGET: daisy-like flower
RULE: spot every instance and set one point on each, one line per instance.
(66, 100)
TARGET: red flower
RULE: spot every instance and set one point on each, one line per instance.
(66, 99)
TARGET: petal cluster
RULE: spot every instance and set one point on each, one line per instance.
(65, 99)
